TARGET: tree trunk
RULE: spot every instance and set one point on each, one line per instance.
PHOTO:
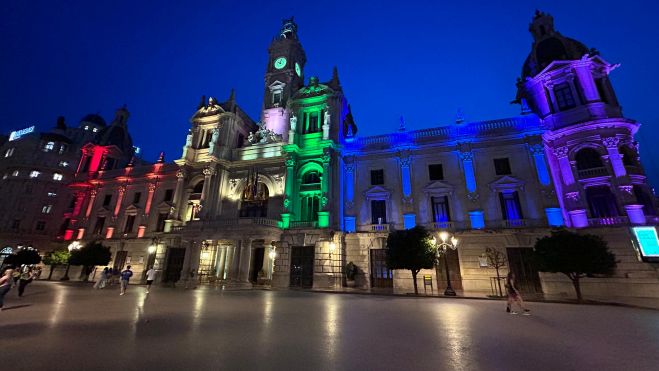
(499, 282)
(416, 290)
(577, 287)
(50, 274)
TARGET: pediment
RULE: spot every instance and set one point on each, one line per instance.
(164, 206)
(506, 182)
(438, 187)
(377, 192)
(277, 85)
(133, 209)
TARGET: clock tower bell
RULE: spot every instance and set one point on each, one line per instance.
(286, 59)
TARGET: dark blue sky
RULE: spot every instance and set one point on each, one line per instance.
(421, 60)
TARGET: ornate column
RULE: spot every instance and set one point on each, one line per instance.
(538, 153)
(409, 217)
(585, 77)
(467, 159)
(121, 191)
(205, 202)
(324, 214)
(288, 192)
(349, 193)
(77, 207)
(611, 144)
(178, 192)
(149, 198)
(90, 205)
(564, 163)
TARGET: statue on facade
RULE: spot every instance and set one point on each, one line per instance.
(293, 121)
(213, 142)
(326, 125)
(263, 136)
(188, 143)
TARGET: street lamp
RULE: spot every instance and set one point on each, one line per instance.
(447, 242)
(272, 254)
(75, 245)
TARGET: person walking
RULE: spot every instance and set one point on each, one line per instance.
(125, 276)
(16, 275)
(5, 283)
(25, 279)
(102, 279)
(150, 277)
(514, 296)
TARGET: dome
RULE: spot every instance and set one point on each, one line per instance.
(93, 118)
(116, 135)
(552, 49)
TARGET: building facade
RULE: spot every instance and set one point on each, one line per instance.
(290, 199)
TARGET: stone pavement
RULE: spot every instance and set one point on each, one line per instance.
(69, 326)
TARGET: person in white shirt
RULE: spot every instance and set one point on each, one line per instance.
(150, 276)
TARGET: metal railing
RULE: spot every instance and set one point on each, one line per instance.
(375, 228)
(594, 172)
(608, 221)
(442, 225)
(302, 224)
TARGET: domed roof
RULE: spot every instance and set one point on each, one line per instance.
(116, 135)
(549, 45)
(551, 49)
(93, 118)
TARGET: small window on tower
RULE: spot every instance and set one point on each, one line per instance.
(502, 166)
(377, 177)
(107, 199)
(436, 172)
(564, 98)
(169, 195)
(276, 98)
(136, 197)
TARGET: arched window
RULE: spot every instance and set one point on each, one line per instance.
(199, 188)
(629, 156)
(254, 201)
(311, 177)
(588, 158)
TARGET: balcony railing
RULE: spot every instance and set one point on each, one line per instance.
(594, 172)
(302, 224)
(199, 225)
(374, 228)
(515, 223)
(631, 169)
(442, 225)
(608, 221)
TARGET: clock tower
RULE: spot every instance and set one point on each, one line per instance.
(284, 74)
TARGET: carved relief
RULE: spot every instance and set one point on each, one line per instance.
(466, 156)
(561, 152)
(537, 149)
(473, 196)
(611, 142)
(572, 196)
(290, 162)
(626, 189)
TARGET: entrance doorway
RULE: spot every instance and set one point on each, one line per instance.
(257, 264)
(120, 260)
(381, 276)
(526, 275)
(174, 264)
(453, 270)
(302, 258)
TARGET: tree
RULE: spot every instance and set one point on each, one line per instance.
(575, 255)
(496, 260)
(23, 256)
(410, 249)
(90, 255)
(55, 258)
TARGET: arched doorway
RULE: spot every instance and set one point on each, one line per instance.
(4, 253)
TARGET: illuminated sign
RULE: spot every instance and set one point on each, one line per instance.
(19, 133)
(648, 242)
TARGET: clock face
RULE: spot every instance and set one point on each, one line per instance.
(280, 63)
(298, 70)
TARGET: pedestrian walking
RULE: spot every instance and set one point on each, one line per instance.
(5, 283)
(150, 276)
(26, 278)
(102, 279)
(514, 296)
(16, 275)
(125, 276)
(191, 279)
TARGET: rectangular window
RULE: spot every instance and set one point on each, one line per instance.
(276, 97)
(169, 195)
(436, 172)
(98, 227)
(136, 197)
(502, 166)
(377, 177)
(378, 212)
(63, 164)
(10, 152)
(160, 224)
(49, 146)
(15, 224)
(57, 176)
(564, 98)
(106, 200)
(440, 209)
(34, 173)
(311, 124)
(241, 141)
(109, 163)
(52, 194)
(41, 225)
(601, 89)
(511, 209)
(130, 221)
(46, 209)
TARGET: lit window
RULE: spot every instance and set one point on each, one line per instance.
(52, 194)
(41, 225)
(46, 209)
(5, 176)
(95, 130)
(86, 127)
(9, 152)
(57, 176)
(34, 173)
(49, 146)
(63, 164)
(15, 173)
(62, 148)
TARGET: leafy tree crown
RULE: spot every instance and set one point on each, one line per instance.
(574, 254)
(410, 249)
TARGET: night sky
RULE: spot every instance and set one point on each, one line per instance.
(420, 60)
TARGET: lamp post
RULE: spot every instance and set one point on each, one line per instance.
(273, 255)
(447, 242)
(75, 245)
(152, 249)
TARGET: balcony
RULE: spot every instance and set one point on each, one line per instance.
(303, 224)
(515, 223)
(200, 225)
(374, 228)
(608, 221)
(593, 173)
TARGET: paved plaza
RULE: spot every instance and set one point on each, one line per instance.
(70, 326)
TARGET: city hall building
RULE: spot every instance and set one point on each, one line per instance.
(289, 200)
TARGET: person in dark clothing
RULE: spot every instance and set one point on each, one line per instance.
(513, 295)
(25, 279)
